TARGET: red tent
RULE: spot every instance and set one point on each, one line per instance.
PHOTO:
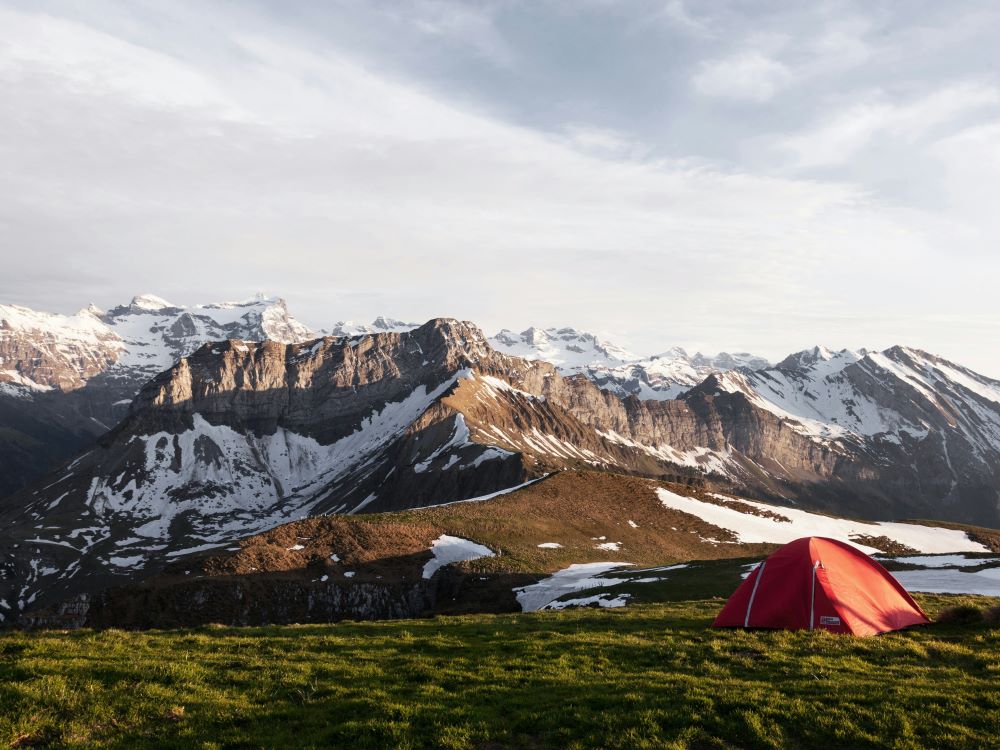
(821, 584)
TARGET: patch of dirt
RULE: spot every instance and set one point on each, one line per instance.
(744, 508)
(989, 538)
(884, 544)
(331, 546)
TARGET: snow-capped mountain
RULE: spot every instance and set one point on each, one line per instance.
(65, 379)
(227, 419)
(891, 395)
(134, 342)
(670, 374)
(156, 333)
(381, 324)
(40, 351)
(613, 368)
(570, 350)
(240, 436)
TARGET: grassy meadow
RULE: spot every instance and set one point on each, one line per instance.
(648, 676)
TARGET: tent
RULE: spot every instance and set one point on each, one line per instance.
(816, 583)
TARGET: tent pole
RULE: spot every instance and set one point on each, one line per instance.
(812, 598)
(756, 583)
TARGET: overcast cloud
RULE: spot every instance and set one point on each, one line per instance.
(754, 176)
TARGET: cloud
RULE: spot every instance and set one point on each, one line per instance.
(677, 14)
(86, 61)
(269, 155)
(469, 25)
(856, 128)
(747, 76)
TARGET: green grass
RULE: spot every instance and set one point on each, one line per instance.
(652, 676)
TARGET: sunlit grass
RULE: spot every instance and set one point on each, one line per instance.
(653, 676)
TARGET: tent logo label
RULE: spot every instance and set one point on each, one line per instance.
(828, 620)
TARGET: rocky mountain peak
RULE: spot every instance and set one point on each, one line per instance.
(92, 310)
(674, 352)
(908, 355)
(535, 336)
(381, 324)
(724, 361)
(457, 340)
(730, 381)
(568, 348)
(150, 303)
(810, 358)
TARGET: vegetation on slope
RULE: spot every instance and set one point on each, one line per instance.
(578, 510)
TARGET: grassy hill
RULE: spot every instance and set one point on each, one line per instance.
(652, 676)
(305, 571)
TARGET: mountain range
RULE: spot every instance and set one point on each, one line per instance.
(164, 431)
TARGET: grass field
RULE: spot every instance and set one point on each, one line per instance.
(652, 676)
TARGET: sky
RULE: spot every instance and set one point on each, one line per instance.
(742, 176)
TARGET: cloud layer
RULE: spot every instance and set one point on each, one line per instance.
(688, 182)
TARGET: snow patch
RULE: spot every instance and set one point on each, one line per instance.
(574, 578)
(601, 600)
(126, 562)
(451, 549)
(492, 495)
(944, 561)
(750, 528)
(950, 581)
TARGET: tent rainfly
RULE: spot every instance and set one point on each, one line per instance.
(816, 583)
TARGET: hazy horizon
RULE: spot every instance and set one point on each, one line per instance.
(327, 324)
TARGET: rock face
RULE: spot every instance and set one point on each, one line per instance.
(922, 434)
(239, 601)
(131, 342)
(41, 351)
(240, 436)
(64, 380)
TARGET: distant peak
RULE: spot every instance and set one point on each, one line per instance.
(822, 353)
(150, 302)
(258, 300)
(92, 310)
(674, 352)
(810, 359)
(805, 358)
(383, 323)
(535, 336)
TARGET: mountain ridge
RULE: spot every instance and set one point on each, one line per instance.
(240, 436)
(660, 376)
